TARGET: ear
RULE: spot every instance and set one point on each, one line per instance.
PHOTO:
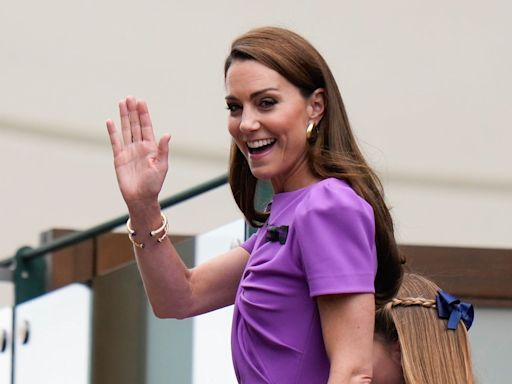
(316, 105)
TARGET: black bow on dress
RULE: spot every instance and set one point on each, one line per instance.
(277, 233)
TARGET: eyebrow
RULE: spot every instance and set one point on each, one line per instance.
(254, 94)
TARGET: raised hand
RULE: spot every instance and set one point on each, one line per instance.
(140, 162)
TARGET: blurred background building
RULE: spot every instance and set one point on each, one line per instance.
(426, 85)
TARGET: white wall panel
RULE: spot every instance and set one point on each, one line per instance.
(212, 361)
(57, 329)
(5, 345)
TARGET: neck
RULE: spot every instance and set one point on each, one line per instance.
(293, 181)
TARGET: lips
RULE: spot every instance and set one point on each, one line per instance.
(258, 146)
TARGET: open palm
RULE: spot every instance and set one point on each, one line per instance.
(140, 162)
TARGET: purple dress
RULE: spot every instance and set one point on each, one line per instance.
(329, 249)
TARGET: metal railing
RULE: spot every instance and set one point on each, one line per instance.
(9, 267)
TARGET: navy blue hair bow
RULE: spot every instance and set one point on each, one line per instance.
(451, 308)
(277, 233)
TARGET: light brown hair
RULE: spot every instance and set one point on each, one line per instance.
(334, 154)
(431, 353)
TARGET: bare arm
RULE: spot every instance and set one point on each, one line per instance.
(177, 292)
(347, 327)
(141, 165)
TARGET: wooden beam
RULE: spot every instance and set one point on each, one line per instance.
(88, 259)
(68, 265)
(480, 275)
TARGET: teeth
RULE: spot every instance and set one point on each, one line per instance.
(260, 143)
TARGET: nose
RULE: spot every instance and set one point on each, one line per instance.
(249, 121)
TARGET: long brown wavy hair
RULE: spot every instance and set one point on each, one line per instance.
(335, 152)
(430, 352)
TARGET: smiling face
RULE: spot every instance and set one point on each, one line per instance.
(268, 117)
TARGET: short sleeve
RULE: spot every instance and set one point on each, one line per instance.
(248, 244)
(336, 234)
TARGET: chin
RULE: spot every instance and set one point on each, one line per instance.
(261, 174)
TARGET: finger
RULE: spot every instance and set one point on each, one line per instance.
(125, 122)
(145, 121)
(114, 138)
(133, 115)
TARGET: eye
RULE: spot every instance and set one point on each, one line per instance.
(233, 108)
(267, 103)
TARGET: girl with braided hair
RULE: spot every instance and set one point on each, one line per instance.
(421, 337)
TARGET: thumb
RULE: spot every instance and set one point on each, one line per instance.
(163, 147)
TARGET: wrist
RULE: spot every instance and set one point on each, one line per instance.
(138, 238)
(145, 215)
(143, 206)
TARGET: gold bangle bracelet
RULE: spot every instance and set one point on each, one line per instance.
(161, 228)
(132, 233)
(138, 245)
(160, 239)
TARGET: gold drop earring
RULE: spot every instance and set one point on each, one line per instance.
(311, 132)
